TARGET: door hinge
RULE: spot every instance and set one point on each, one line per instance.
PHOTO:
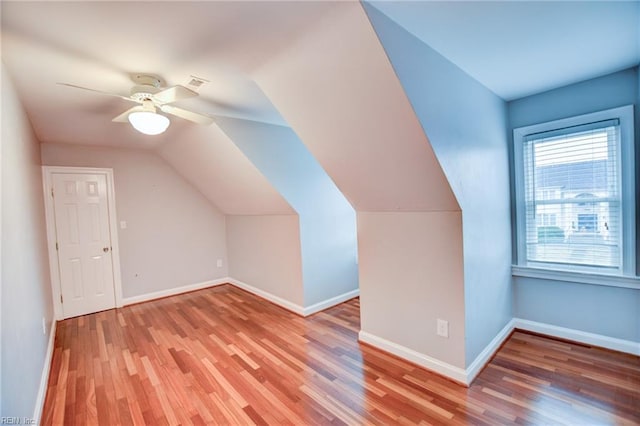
(61, 299)
(56, 246)
(52, 192)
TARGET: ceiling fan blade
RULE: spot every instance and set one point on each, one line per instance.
(126, 98)
(173, 94)
(124, 117)
(187, 115)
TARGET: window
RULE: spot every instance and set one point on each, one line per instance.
(575, 193)
(546, 219)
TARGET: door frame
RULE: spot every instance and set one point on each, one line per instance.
(54, 267)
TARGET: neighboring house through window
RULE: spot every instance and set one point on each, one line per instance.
(575, 193)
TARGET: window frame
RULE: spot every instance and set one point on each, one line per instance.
(625, 115)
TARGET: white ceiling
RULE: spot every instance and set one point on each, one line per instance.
(212, 163)
(101, 44)
(340, 94)
(518, 48)
(514, 48)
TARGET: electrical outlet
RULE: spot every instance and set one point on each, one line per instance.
(219, 263)
(44, 326)
(442, 328)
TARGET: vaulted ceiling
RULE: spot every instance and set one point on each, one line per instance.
(315, 66)
(101, 45)
(519, 48)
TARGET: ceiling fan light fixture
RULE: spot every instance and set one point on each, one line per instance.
(148, 122)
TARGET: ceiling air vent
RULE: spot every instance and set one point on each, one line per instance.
(196, 82)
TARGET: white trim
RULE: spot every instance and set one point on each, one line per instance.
(485, 356)
(321, 306)
(440, 367)
(600, 340)
(47, 172)
(626, 116)
(295, 308)
(173, 291)
(44, 378)
(576, 277)
(465, 376)
(115, 244)
(51, 243)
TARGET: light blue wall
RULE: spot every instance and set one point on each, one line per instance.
(598, 94)
(613, 312)
(466, 125)
(637, 128)
(609, 311)
(327, 220)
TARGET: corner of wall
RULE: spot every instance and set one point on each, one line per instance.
(264, 252)
(327, 220)
(466, 125)
(160, 208)
(405, 258)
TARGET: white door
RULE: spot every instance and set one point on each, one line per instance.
(83, 243)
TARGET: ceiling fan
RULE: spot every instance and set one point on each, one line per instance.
(152, 97)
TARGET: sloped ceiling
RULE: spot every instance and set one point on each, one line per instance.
(100, 45)
(519, 48)
(212, 163)
(319, 63)
(373, 144)
(338, 91)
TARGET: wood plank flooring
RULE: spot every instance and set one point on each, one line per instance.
(223, 356)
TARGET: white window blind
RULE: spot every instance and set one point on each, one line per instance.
(573, 196)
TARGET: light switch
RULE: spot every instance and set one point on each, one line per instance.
(123, 224)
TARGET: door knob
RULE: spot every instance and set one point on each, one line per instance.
(106, 249)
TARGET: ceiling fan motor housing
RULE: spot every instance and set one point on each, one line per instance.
(143, 92)
(148, 85)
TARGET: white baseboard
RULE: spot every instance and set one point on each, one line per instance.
(484, 357)
(440, 367)
(465, 376)
(607, 342)
(44, 379)
(293, 307)
(173, 291)
(469, 374)
(321, 306)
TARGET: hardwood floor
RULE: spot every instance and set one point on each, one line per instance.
(224, 356)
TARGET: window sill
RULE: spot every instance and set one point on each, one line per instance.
(576, 277)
